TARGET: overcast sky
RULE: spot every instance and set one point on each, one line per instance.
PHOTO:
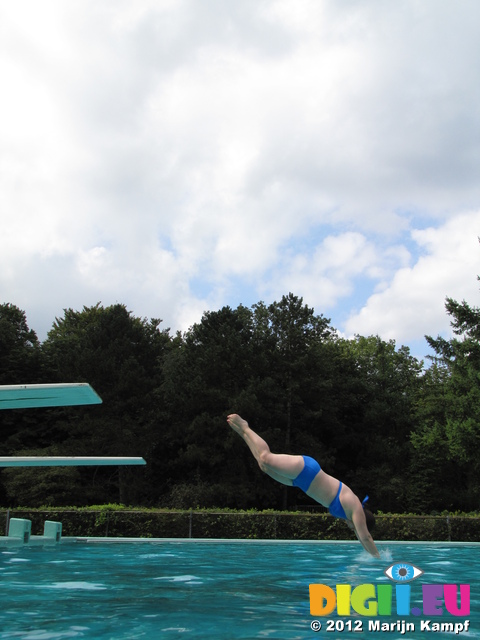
(177, 156)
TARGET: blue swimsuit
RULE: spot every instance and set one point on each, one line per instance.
(307, 474)
(305, 479)
(335, 507)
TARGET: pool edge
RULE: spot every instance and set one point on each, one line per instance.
(113, 540)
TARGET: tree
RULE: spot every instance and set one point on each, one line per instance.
(40, 487)
(20, 363)
(454, 430)
(433, 474)
(206, 370)
(267, 363)
(122, 357)
(19, 348)
(294, 333)
(461, 358)
(379, 446)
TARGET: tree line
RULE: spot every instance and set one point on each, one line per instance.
(371, 413)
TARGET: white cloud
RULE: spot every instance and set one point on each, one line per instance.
(176, 156)
(413, 304)
(335, 269)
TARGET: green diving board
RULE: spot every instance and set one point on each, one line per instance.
(68, 461)
(26, 396)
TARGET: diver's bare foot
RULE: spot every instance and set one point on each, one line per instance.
(237, 423)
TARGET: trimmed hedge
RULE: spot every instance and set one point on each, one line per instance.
(119, 521)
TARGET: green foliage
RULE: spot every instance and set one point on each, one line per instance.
(20, 363)
(121, 356)
(45, 486)
(120, 521)
(448, 408)
(381, 387)
(367, 410)
(19, 348)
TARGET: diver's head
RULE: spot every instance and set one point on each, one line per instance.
(370, 518)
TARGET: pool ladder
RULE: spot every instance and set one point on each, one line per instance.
(20, 532)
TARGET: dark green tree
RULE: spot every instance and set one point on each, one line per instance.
(204, 373)
(19, 348)
(292, 335)
(450, 409)
(434, 473)
(381, 419)
(20, 363)
(266, 363)
(121, 356)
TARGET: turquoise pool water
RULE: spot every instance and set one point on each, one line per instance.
(211, 590)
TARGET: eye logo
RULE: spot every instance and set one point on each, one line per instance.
(402, 572)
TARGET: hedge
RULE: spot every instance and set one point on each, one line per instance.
(119, 521)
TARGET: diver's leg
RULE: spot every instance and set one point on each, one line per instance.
(281, 467)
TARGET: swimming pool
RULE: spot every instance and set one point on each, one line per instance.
(204, 589)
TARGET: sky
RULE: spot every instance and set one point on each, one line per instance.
(177, 156)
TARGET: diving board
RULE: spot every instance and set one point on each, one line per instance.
(68, 461)
(26, 396)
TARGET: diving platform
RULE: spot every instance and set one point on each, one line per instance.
(28, 396)
(67, 461)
